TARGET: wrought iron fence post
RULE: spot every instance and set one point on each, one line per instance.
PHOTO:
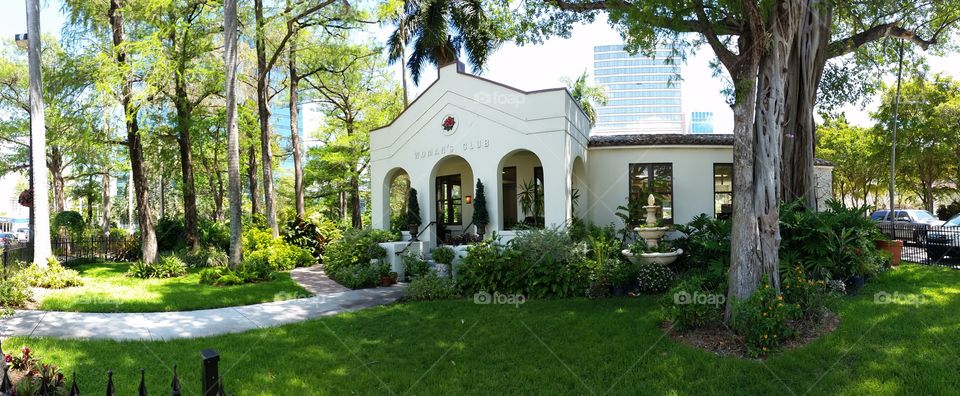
(211, 372)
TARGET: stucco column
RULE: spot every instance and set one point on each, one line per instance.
(380, 198)
(489, 174)
(556, 195)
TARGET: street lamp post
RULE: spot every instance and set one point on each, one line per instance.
(38, 143)
(893, 147)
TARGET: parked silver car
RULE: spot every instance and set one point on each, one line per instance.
(911, 224)
(944, 241)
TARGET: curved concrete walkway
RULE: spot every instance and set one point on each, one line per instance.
(329, 299)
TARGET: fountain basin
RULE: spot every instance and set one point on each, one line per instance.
(652, 258)
(651, 235)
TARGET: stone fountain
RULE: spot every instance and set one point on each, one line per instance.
(651, 234)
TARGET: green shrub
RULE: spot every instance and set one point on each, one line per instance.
(171, 234)
(347, 260)
(70, 222)
(14, 292)
(214, 234)
(357, 276)
(168, 266)
(443, 255)
(256, 239)
(283, 256)
(253, 269)
(313, 235)
(431, 287)
(414, 266)
(706, 249)
(206, 257)
(689, 305)
(538, 263)
(118, 233)
(762, 318)
(55, 276)
(807, 295)
(654, 278)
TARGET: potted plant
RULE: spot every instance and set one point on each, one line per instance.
(895, 248)
(413, 214)
(621, 273)
(394, 277)
(480, 215)
(414, 266)
(384, 270)
(443, 256)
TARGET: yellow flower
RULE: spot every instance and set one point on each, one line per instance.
(779, 298)
(764, 314)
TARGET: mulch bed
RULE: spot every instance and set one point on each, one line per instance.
(722, 340)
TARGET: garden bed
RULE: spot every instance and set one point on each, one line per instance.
(561, 346)
(107, 288)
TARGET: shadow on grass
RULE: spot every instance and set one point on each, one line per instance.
(574, 346)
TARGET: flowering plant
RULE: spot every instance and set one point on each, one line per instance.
(448, 123)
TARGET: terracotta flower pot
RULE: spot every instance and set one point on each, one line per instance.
(894, 247)
(385, 281)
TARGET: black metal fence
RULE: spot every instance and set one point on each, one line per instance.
(926, 245)
(96, 248)
(51, 385)
(14, 252)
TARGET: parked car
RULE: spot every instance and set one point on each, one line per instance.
(910, 224)
(7, 238)
(944, 241)
(23, 234)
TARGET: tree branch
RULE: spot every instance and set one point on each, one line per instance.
(852, 43)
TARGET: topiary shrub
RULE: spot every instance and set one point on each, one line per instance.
(413, 208)
(431, 287)
(480, 215)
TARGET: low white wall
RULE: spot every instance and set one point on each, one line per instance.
(395, 260)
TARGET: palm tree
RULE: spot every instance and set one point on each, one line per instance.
(586, 95)
(233, 141)
(440, 29)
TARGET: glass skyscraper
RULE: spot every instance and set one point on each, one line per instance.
(701, 122)
(643, 92)
(280, 121)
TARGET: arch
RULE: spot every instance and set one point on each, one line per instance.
(579, 194)
(451, 182)
(520, 198)
(394, 196)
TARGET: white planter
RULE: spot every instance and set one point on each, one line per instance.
(443, 270)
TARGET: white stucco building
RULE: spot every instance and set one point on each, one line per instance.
(523, 145)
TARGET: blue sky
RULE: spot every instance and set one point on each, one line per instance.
(536, 67)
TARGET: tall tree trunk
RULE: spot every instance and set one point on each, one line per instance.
(233, 140)
(163, 193)
(148, 237)
(106, 182)
(184, 123)
(55, 168)
(263, 110)
(252, 180)
(355, 219)
(38, 141)
(808, 57)
(294, 125)
(744, 275)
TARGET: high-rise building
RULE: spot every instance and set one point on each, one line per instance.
(280, 122)
(701, 122)
(643, 92)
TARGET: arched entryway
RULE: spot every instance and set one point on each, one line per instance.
(521, 198)
(451, 198)
(396, 190)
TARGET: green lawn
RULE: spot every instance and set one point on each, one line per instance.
(552, 347)
(107, 289)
